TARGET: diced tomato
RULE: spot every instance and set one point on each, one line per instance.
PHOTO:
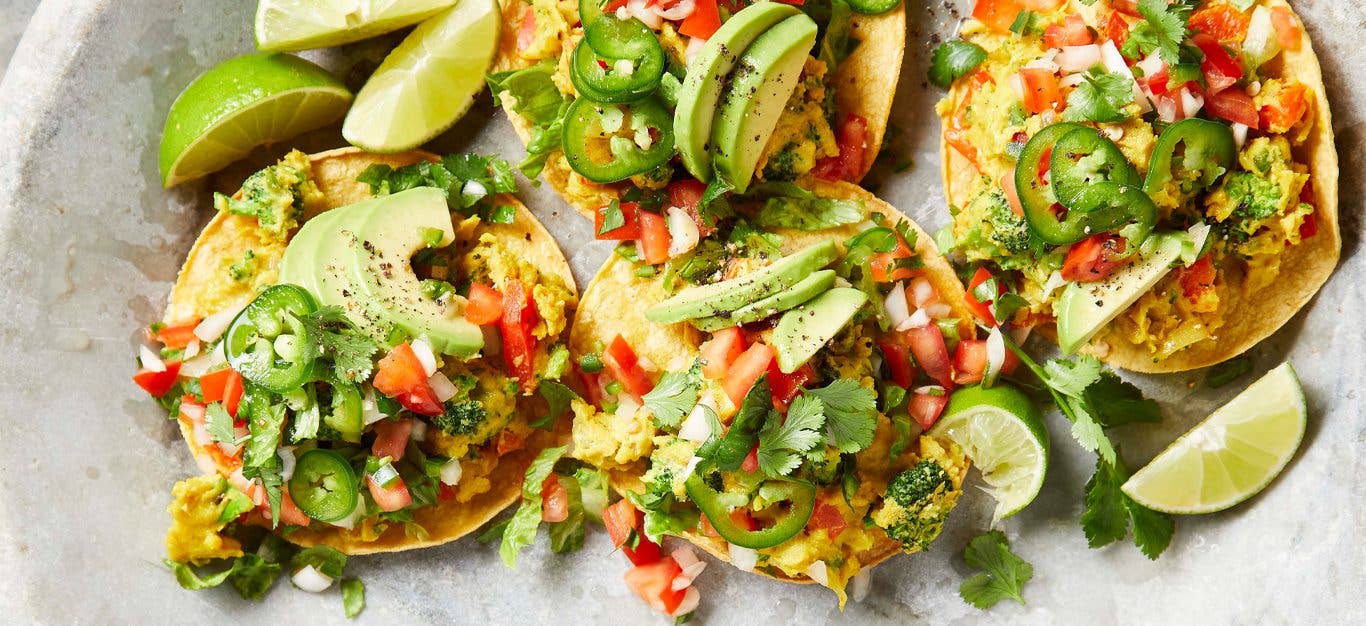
(1093, 258)
(927, 344)
(400, 375)
(785, 387)
(1117, 29)
(591, 391)
(654, 238)
(192, 415)
(158, 384)
(526, 32)
(509, 441)
(853, 145)
(485, 305)
(1158, 82)
(751, 462)
(232, 393)
(1218, 65)
(515, 327)
(654, 584)
(1012, 194)
(703, 21)
(1042, 91)
(1233, 105)
(897, 357)
(1222, 21)
(1289, 107)
(686, 194)
(1197, 279)
(444, 492)
(720, 351)
(982, 309)
(177, 336)
(1000, 14)
(957, 133)
(213, 386)
(1072, 31)
(630, 225)
(828, 517)
(881, 261)
(391, 498)
(624, 367)
(1309, 227)
(745, 370)
(554, 500)
(970, 361)
(391, 438)
(622, 519)
(1287, 27)
(613, 5)
(290, 513)
(925, 408)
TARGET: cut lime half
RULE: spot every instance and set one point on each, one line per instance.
(1232, 455)
(242, 103)
(303, 24)
(1002, 431)
(428, 82)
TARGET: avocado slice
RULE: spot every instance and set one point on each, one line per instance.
(807, 288)
(802, 331)
(757, 92)
(1085, 308)
(723, 298)
(358, 257)
(707, 76)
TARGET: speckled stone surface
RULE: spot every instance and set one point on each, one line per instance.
(91, 243)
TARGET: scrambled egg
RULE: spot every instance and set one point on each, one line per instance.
(491, 261)
(1260, 207)
(611, 440)
(196, 524)
(803, 134)
(491, 390)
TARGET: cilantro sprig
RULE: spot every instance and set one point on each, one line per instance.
(1163, 28)
(1004, 574)
(783, 442)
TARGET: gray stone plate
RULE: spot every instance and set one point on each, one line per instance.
(90, 244)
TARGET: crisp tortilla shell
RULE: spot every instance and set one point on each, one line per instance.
(334, 172)
(864, 84)
(615, 301)
(1304, 268)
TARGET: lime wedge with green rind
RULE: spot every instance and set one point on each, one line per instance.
(303, 24)
(1232, 455)
(242, 103)
(428, 82)
(1002, 431)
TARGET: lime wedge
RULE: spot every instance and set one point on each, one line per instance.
(303, 24)
(1230, 456)
(242, 103)
(428, 81)
(1002, 431)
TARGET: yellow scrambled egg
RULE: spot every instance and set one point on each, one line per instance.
(195, 522)
(802, 135)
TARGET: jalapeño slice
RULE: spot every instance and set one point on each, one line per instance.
(1084, 157)
(1035, 193)
(347, 413)
(606, 143)
(1109, 207)
(323, 485)
(269, 344)
(1192, 154)
(617, 61)
(800, 498)
(873, 7)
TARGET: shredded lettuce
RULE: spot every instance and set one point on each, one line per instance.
(521, 529)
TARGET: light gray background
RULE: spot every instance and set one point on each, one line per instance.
(91, 242)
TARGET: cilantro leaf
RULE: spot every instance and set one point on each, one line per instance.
(265, 422)
(1071, 377)
(1100, 97)
(353, 597)
(1118, 402)
(674, 396)
(1004, 576)
(783, 441)
(1104, 521)
(953, 60)
(850, 413)
(727, 448)
(219, 424)
(1152, 530)
(557, 398)
(521, 529)
(351, 352)
(1162, 28)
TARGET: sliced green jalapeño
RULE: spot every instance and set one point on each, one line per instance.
(873, 7)
(1191, 154)
(617, 61)
(1035, 193)
(1083, 157)
(798, 497)
(347, 414)
(269, 343)
(606, 143)
(324, 486)
(1091, 188)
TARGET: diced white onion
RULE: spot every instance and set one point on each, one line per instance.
(1239, 134)
(640, 10)
(627, 407)
(996, 356)
(192, 349)
(1072, 80)
(922, 291)
(1016, 82)
(697, 428)
(680, 10)
(1020, 333)
(684, 556)
(419, 431)
(286, 455)
(311, 580)
(474, 188)
(743, 558)
(204, 363)
(442, 387)
(1190, 103)
(1114, 63)
(624, 66)
(694, 47)
(691, 566)
(818, 572)
(691, 598)
(939, 310)
(350, 520)
(150, 360)
(213, 326)
(1044, 62)
(1115, 133)
(1073, 59)
(239, 433)
(451, 472)
(370, 408)
(683, 232)
(423, 349)
(897, 309)
(201, 435)
(860, 584)
(919, 319)
(1151, 64)
(1166, 109)
(929, 390)
(1054, 281)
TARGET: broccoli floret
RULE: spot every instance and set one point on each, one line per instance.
(916, 504)
(783, 164)
(461, 418)
(988, 229)
(1008, 230)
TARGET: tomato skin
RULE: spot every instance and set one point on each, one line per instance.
(526, 32)
(1000, 14)
(158, 384)
(686, 194)
(391, 498)
(654, 238)
(223, 386)
(982, 309)
(654, 584)
(1286, 26)
(1117, 29)
(745, 370)
(970, 361)
(897, 357)
(1233, 105)
(703, 21)
(853, 145)
(391, 438)
(630, 224)
(927, 344)
(751, 462)
(178, 336)
(785, 387)
(400, 375)
(881, 261)
(519, 344)
(1042, 91)
(1127, 7)
(621, 519)
(1309, 227)
(1197, 279)
(485, 305)
(1220, 68)
(956, 135)
(591, 392)
(1290, 106)
(926, 408)
(554, 500)
(290, 513)
(509, 441)
(720, 351)
(828, 517)
(1093, 258)
(1072, 31)
(624, 367)
(1221, 21)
